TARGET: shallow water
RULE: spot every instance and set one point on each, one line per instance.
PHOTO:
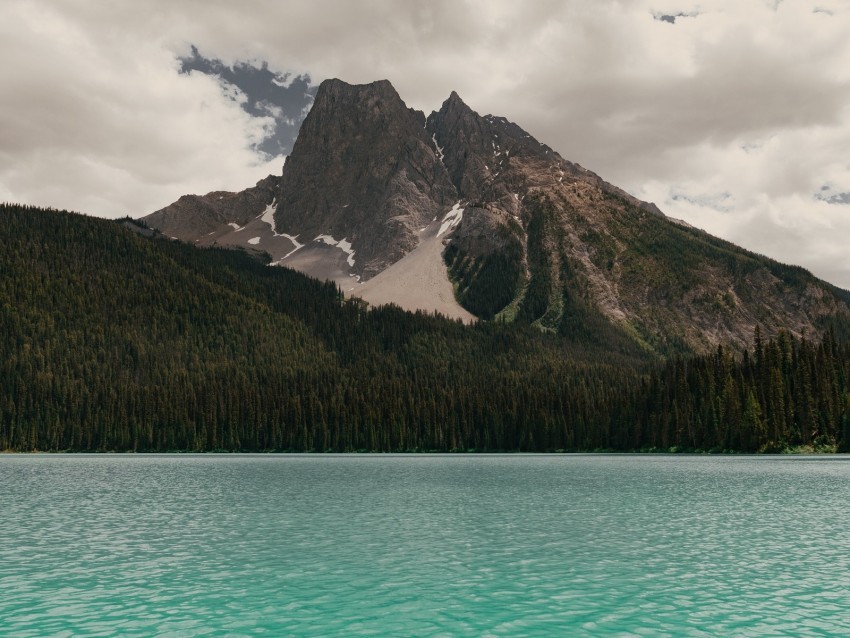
(415, 545)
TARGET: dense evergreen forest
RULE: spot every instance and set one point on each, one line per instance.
(113, 340)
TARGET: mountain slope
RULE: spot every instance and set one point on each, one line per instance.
(527, 235)
(193, 217)
(596, 261)
(115, 340)
(120, 340)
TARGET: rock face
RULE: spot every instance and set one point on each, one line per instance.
(489, 158)
(194, 216)
(551, 243)
(363, 169)
(474, 202)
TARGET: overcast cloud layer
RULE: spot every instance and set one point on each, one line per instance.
(733, 115)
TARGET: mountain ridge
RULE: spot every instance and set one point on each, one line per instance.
(526, 235)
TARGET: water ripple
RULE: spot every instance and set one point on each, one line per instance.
(424, 546)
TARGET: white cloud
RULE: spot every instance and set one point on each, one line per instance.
(732, 118)
(107, 126)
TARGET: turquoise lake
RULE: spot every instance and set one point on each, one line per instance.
(419, 545)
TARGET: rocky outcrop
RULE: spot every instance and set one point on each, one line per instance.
(490, 158)
(363, 169)
(194, 216)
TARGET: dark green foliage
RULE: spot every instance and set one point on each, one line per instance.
(110, 340)
(537, 295)
(787, 393)
(139, 223)
(116, 341)
(488, 283)
(582, 322)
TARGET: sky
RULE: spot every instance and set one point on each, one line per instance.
(733, 115)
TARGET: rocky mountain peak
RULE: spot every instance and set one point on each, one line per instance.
(371, 98)
(463, 136)
(454, 103)
(364, 170)
(374, 190)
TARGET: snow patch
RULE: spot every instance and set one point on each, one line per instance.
(294, 243)
(342, 244)
(268, 214)
(345, 246)
(451, 220)
(440, 155)
(268, 217)
(254, 241)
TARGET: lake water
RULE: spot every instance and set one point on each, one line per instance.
(514, 545)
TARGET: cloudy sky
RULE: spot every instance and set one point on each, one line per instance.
(733, 115)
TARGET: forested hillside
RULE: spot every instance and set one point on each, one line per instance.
(785, 393)
(111, 340)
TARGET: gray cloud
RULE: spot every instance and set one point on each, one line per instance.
(672, 17)
(828, 195)
(731, 119)
(285, 97)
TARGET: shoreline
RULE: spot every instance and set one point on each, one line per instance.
(800, 451)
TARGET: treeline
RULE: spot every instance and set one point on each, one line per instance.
(487, 283)
(786, 393)
(110, 340)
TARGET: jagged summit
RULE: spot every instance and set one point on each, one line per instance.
(333, 86)
(365, 170)
(470, 215)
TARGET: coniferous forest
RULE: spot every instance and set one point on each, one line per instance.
(116, 339)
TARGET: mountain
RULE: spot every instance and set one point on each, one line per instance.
(193, 217)
(363, 170)
(471, 216)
